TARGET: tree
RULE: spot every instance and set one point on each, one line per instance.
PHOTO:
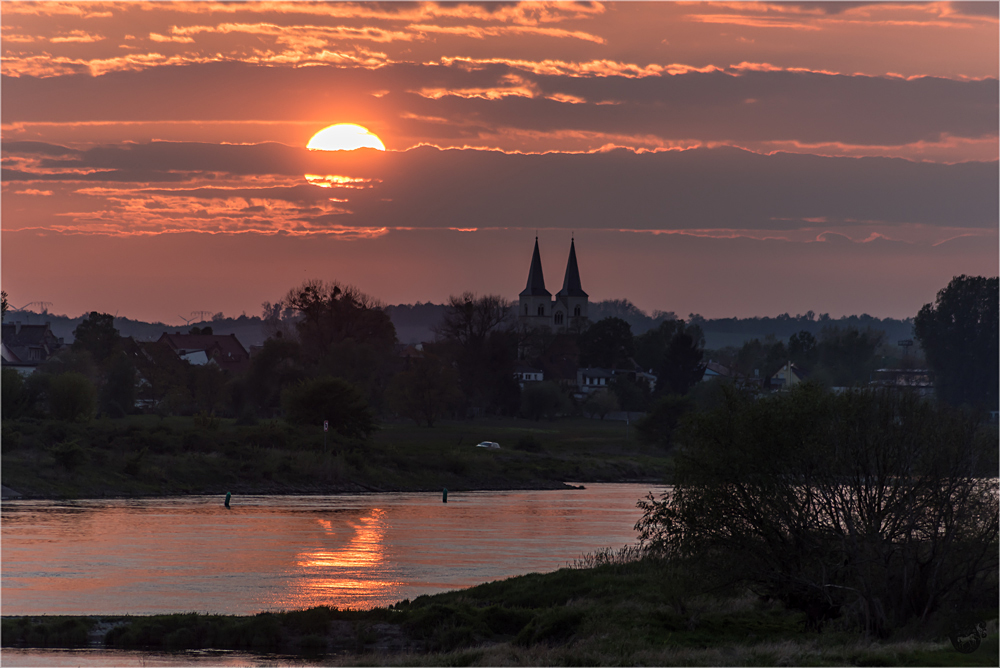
(117, 395)
(875, 505)
(72, 397)
(959, 335)
(3, 304)
(600, 404)
(470, 319)
(545, 399)
(803, 349)
(681, 367)
(607, 344)
(674, 352)
(97, 335)
(476, 334)
(332, 399)
(425, 391)
(847, 355)
(660, 423)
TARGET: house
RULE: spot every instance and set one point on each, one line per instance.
(919, 381)
(527, 374)
(27, 346)
(225, 351)
(590, 380)
(715, 370)
(787, 376)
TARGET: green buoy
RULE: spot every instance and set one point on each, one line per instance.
(444, 497)
(229, 495)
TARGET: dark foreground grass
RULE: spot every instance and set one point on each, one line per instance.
(153, 456)
(622, 612)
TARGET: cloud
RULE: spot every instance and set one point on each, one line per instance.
(479, 102)
(697, 189)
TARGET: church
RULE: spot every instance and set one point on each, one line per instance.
(537, 308)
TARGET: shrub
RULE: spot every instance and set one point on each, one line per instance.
(72, 397)
(543, 400)
(333, 399)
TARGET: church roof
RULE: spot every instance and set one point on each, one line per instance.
(536, 282)
(571, 283)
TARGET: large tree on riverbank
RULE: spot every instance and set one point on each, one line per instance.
(876, 505)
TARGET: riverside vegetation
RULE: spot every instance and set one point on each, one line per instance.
(146, 455)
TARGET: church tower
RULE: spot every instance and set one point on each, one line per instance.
(535, 304)
(570, 308)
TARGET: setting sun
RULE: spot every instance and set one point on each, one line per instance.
(344, 137)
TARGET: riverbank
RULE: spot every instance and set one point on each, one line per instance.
(149, 455)
(619, 612)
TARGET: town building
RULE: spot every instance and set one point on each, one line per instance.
(537, 308)
(25, 347)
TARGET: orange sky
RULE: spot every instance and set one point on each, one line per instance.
(729, 159)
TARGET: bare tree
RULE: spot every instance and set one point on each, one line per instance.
(470, 319)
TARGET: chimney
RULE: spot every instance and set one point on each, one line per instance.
(17, 327)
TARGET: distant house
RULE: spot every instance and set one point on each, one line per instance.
(715, 370)
(527, 374)
(919, 381)
(590, 380)
(24, 347)
(787, 376)
(225, 351)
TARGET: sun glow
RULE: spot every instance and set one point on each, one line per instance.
(344, 137)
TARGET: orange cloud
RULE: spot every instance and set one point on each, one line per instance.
(76, 36)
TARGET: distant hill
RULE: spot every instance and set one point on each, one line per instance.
(416, 322)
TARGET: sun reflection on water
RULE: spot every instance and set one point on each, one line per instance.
(347, 567)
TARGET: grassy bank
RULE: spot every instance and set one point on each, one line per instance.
(637, 613)
(151, 455)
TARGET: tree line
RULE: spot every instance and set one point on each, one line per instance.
(332, 354)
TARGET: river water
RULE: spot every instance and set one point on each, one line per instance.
(113, 557)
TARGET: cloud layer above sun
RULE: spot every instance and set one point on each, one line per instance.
(833, 125)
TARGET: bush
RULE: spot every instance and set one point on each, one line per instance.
(72, 397)
(659, 424)
(333, 399)
(877, 505)
(528, 443)
(543, 400)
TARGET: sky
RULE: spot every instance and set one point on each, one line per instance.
(726, 159)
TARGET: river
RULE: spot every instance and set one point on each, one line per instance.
(161, 555)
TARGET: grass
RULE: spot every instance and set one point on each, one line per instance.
(148, 455)
(625, 611)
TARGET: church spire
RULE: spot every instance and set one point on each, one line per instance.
(536, 281)
(571, 283)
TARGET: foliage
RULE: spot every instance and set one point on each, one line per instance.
(425, 391)
(275, 367)
(18, 397)
(332, 399)
(607, 344)
(660, 423)
(545, 399)
(117, 395)
(97, 335)
(674, 352)
(476, 335)
(601, 403)
(959, 335)
(3, 304)
(848, 355)
(631, 393)
(469, 319)
(341, 332)
(862, 503)
(72, 397)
